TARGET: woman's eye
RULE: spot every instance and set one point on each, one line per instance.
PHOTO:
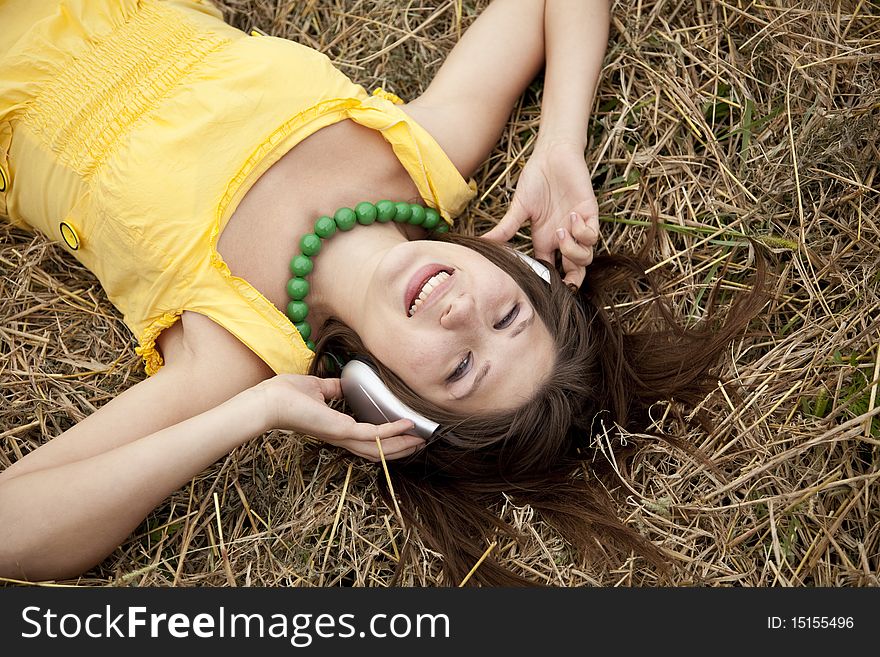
(508, 318)
(461, 370)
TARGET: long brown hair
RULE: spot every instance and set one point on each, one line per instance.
(451, 490)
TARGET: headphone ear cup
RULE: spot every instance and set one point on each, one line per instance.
(371, 400)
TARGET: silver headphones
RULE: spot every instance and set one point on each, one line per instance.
(371, 401)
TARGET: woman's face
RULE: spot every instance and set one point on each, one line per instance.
(455, 328)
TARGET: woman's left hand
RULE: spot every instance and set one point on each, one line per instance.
(555, 193)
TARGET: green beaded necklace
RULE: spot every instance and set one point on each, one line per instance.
(345, 219)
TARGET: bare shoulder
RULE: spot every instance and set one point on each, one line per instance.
(196, 341)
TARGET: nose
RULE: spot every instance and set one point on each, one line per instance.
(461, 312)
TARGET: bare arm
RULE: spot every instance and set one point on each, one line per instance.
(69, 503)
(470, 98)
(469, 101)
(576, 36)
(61, 520)
(554, 190)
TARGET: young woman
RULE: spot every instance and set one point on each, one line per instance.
(182, 160)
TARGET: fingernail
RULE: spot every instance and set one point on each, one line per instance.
(574, 217)
(560, 233)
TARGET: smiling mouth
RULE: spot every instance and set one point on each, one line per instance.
(431, 283)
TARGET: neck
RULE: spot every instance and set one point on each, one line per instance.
(344, 268)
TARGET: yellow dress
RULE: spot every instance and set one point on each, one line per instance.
(130, 130)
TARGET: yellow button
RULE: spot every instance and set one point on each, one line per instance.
(2, 180)
(69, 235)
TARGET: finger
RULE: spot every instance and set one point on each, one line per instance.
(398, 447)
(341, 429)
(393, 447)
(367, 433)
(543, 251)
(575, 259)
(331, 388)
(574, 275)
(582, 230)
(592, 221)
(575, 280)
(509, 223)
(403, 454)
(578, 254)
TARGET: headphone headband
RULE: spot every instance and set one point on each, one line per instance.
(537, 266)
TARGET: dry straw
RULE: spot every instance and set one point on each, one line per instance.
(721, 120)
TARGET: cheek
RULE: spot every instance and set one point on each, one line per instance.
(416, 357)
(500, 293)
(411, 354)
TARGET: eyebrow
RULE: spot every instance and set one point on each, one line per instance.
(523, 326)
(478, 379)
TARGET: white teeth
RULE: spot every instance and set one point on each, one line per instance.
(427, 288)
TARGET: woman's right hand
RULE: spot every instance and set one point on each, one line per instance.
(299, 403)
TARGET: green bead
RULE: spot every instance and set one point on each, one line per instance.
(442, 228)
(305, 329)
(325, 227)
(297, 311)
(385, 211)
(310, 345)
(301, 265)
(366, 213)
(297, 288)
(417, 218)
(432, 219)
(404, 212)
(310, 244)
(345, 218)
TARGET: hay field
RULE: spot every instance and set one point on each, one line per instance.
(719, 119)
